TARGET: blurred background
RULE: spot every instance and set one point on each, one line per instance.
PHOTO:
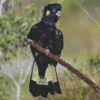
(80, 24)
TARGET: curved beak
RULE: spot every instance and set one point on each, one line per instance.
(58, 13)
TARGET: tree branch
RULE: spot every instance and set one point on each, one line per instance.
(26, 75)
(66, 65)
(15, 82)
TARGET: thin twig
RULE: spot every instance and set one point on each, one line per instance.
(88, 14)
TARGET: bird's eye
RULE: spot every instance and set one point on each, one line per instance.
(54, 10)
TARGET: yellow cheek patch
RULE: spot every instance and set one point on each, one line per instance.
(48, 13)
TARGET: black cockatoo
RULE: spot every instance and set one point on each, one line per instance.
(45, 34)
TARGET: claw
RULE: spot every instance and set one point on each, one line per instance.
(47, 51)
(28, 41)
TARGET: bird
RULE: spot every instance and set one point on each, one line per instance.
(47, 35)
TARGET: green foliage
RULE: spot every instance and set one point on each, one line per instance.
(80, 95)
(5, 87)
(94, 62)
(15, 26)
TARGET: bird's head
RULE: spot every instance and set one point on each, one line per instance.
(52, 11)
